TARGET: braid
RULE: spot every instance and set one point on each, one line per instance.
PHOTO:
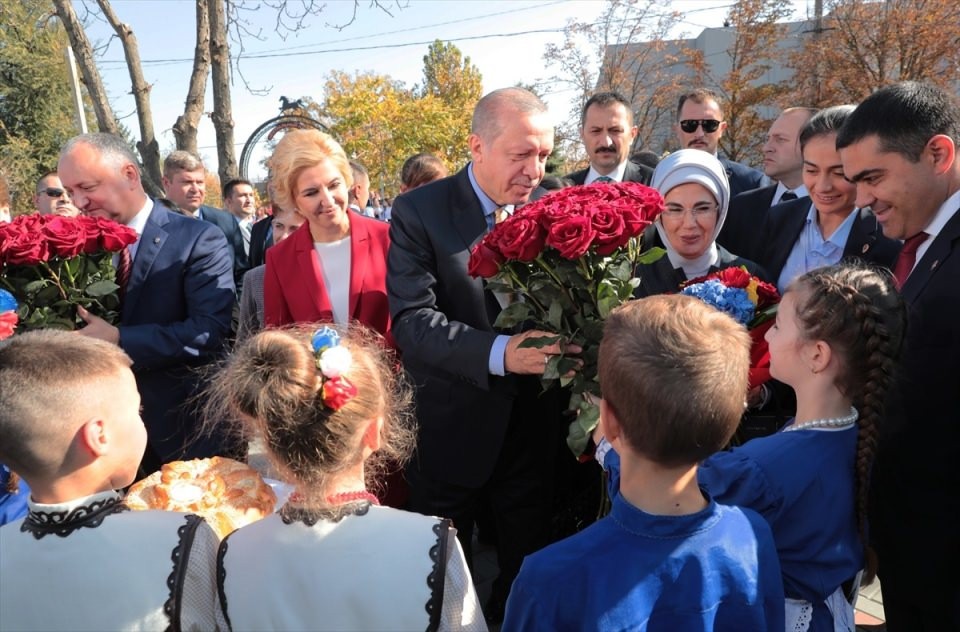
(856, 310)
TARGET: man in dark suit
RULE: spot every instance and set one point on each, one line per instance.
(608, 132)
(261, 238)
(900, 148)
(700, 125)
(177, 302)
(184, 182)
(782, 163)
(482, 429)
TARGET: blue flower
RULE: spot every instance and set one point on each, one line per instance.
(732, 300)
(323, 339)
(7, 302)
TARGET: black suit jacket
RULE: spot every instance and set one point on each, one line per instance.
(231, 230)
(632, 173)
(742, 232)
(741, 177)
(261, 238)
(442, 325)
(785, 223)
(914, 499)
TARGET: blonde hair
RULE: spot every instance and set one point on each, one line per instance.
(270, 388)
(298, 150)
(49, 380)
(674, 371)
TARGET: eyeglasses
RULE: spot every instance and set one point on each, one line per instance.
(690, 125)
(698, 211)
(54, 193)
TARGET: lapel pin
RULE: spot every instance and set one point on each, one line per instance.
(866, 247)
(156, 240)
(934, 265)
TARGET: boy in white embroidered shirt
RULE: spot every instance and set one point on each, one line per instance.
(70, 426)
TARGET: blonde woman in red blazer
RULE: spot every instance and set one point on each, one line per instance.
(311, 173)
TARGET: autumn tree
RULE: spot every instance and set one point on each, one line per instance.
(457, 83)
(36, 104)
(630, 39)
(860, 46)
(757, 45)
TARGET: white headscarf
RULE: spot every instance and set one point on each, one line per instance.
(703, 168)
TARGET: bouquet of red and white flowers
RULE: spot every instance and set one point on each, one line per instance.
(52, 264)
(750, 301)
(570, 258)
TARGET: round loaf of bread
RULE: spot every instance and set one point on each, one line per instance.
(228, 493)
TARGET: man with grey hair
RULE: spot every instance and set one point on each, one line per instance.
(359, 192)
(177, 295)
(185, 184)
(483, 432)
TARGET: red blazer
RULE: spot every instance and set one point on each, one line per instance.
(293, 289)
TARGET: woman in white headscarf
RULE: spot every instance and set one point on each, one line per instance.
(696, 196)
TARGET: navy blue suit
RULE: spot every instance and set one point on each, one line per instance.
(742, 178)
(231, 230)
(175, 318)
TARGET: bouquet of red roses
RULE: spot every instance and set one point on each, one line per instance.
(750, 301)
(52, 264)
(569, 260)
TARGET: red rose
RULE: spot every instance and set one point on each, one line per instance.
(533, 211)
(484, 261)
(520, 238)
(24, 248)
(337, 391)
(767, 294)
(571, 236)
(113, 236)
(8, 322)
(65, 236)
(91, 232)
(610, 230)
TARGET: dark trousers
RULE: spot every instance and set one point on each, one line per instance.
(519, 491)
(936, 610)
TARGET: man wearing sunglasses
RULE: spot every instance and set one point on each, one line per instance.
(52, 198)
(700, 125)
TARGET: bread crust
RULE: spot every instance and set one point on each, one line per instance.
(227, 493)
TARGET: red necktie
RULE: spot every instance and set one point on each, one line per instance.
(907, 258)
(124, 265)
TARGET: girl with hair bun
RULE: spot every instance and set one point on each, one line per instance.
(330, 409)
(835, 341)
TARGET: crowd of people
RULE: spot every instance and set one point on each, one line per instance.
(365, 359)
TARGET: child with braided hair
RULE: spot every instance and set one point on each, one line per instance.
(835, 341)
(329, 407)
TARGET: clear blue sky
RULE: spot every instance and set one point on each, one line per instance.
(374, 42)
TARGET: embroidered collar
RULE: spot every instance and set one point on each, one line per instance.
(291, 513)
(62, 519)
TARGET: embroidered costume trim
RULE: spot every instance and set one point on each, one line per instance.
(63, 523)
(181, 558)
(290, 513)
(221, 578)
(437, 576)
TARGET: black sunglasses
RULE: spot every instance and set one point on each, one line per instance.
(690, 125)
(54, 193)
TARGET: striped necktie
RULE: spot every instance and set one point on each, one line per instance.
(124, 265)
(604, 179)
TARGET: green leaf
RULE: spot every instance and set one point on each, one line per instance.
(651, 256)
(35, 286)
(101, 288)
(555, 315)
(537, 343)
(513, 315)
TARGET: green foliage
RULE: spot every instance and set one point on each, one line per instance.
(36, 103)
(380, 122)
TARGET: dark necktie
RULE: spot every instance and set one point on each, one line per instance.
(907, 258)
(604, 179)
(789, 195)
(124, 265)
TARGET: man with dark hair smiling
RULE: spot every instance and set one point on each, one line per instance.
(900, 148)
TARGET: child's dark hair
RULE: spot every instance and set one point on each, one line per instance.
(674, 372)
(856, 309)
(271, 387)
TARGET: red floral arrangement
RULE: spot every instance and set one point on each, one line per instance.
(52, 264)
(570, 258)
(764, 299)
